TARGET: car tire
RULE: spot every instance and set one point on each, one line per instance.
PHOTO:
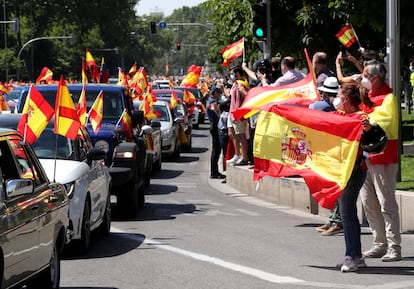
(157, 166)
(84, 243)
(50, 277)
(141, 197)
(128, 198)
(148, 171)
(105, 227)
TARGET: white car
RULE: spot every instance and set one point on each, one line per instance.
(80, 168)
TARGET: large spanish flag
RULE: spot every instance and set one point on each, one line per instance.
(319, 146)
(96, 113)
(347, 36)
(35, 115)
(232, 51)
(45, 76)
(258, 98)
(67, 121)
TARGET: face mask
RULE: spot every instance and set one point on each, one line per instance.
(365, 82)
(412, 68)
(232, 77)
(338, 104)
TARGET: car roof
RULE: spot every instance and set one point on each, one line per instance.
(89, 86)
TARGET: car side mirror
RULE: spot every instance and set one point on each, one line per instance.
(155, 124)
(17, 187)
(179, 120)
(95, 154)
(147, 129)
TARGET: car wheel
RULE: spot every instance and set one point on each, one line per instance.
(128, 198)
(158, 164)
(50, 277)
(141, 197)
(85, 241)
(148, 171)
(105, 227)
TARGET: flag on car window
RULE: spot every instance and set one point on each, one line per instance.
(3, 104)
(35, 115)
(127, 124)
(188, 96)
(232, 51)
(174, 100)
(81, 106)
(96, 113)
(67, 121)
(321, 147)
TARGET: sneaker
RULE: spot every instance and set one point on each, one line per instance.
(361, 262)
(392, 255)
(219, 176)
(335, 229)
(323, 228)
(233, 160)
(349, 265)
(241, 162)
(375, 252)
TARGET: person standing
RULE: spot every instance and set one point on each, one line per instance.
(213, 113)
(320, 65)
(290, 74)
(378, 191)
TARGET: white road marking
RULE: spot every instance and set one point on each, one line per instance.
(216, 261)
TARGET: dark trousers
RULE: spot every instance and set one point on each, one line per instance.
(215, 151)
(347, 206)
(224, 140)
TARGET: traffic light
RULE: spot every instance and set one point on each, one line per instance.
(260, 20)
(153, 27)
(178, 46)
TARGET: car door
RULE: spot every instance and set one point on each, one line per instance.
(18, 225)
(98, 178)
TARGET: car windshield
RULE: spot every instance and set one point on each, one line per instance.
(179, 110)
(45, 145)
(163, 111)
(13, 94)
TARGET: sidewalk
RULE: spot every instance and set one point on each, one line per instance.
(293, 193)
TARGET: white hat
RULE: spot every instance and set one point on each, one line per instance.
(330, 85)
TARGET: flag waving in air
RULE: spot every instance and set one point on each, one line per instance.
(174, 100)
(45, 76)
(35, 115)
(93, 68)
(96, 113)
(232, 51)
(3, 104)
(66, 118)
(319, 146)
(347, 36)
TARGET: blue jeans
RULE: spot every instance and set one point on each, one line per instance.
(348, 210)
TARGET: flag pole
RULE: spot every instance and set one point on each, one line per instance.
(119, 120)
(244, 52)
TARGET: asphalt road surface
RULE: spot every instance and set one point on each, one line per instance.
(197, 233)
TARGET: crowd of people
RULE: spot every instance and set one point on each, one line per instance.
(358, 95)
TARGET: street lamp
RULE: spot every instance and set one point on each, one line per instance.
(71, 37)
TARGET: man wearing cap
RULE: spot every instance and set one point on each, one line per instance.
(328, 91)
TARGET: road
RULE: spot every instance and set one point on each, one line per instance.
(197, 233)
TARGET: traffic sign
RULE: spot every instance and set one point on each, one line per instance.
(163, 25)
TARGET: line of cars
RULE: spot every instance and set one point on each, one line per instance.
(117, 161)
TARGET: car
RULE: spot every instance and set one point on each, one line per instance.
(199, 108)
(80, 167)
(170, 141)
(124, 146)
(33, 217)
(12, 97)
(179, 112)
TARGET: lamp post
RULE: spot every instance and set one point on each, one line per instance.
(71, 37)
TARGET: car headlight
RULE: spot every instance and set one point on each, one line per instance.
(102, 144)
(167, 134)
(70, 188)
(125, 155)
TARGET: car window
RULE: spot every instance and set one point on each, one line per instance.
(179, 110)
(163, 111)
(45, 145)
(85, 143)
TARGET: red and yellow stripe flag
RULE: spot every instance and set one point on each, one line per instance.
(232, 51)
(347, 36)
(174, 100)
(93, 68)
(319, 146)
(96, 113)
(126, 121)
(3, 104)
(258, 98)
(35, 115)
(67, 121)
(45, 76)
(188, 96)
(84, 73)
(81, 107)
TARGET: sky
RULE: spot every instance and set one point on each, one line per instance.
(166, 6)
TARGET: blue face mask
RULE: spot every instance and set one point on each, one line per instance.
(232, 77)
(412, 68)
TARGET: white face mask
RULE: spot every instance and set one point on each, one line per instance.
(365, 82)
(338, 104)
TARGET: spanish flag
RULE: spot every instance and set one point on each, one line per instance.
(3, 104)
(35, 115)
(84, 72)
(45, 76)
(127, 123)
(321, 147)
(302, 92)
(347, 36)
(81, 106)
(139, 81)
(93, 68)
(232, 51)
(174, 100)
(96, 113)
(188, 96)
(67, 121)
